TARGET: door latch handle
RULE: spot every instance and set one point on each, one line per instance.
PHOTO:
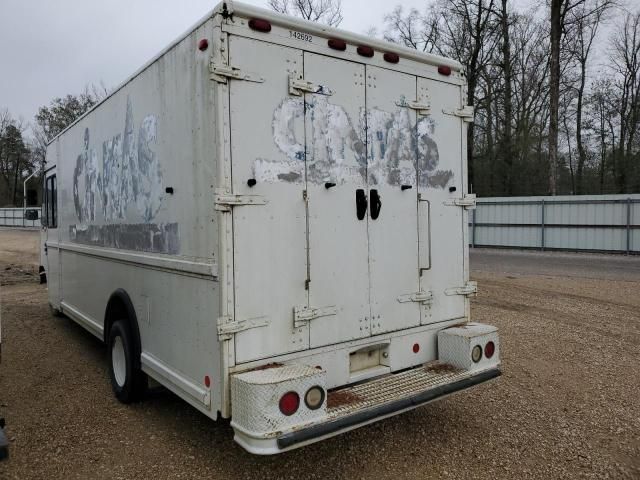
(329, 185)
(376, 204)
(361, 203)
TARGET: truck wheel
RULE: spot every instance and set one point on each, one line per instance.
(128, 382)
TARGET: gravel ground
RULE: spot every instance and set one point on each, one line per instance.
(567, 405)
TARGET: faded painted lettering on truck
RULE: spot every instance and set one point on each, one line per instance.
(391, 137)
(125, 183)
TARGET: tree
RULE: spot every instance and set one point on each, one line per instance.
(62, 112)
(507, 140)
(15, 160)
(626, 62)
(328, 12)
(460, 29)
(59, 114)
(583, 23)
(564, 13)
(413, 30)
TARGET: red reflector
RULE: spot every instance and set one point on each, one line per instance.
(391, 57)
(203, 44)
(207, 381)
(289, 403)
(259, 25)
(444, 70)
(337, 44)
(489, 349)
(365, 51)
(416, 348)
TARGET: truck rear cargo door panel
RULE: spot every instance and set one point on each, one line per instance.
(440, 160)
(393, 222)
(356, 231)
(336, 169)
(270, 239)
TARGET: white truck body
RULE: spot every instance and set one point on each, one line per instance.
(275, 209)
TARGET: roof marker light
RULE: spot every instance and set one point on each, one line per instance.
(365, 51)
(203, 44)
(260, 25)
(444, 70)
(337, 44)
(391, 57)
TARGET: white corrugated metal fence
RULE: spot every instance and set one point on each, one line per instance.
(607, 223)
(17, 217)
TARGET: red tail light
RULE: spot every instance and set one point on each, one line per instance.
(259, 25)
(337, 44)
(489, 349)
(444, 70)
(365, 51)
(289, 403)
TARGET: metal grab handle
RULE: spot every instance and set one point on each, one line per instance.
(376, 204)
(361, 203)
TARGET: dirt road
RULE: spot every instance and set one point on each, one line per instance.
(567, 405)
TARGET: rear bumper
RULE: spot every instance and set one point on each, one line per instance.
(364, 417)
(376, 400)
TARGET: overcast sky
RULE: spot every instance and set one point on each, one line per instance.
(51, 48)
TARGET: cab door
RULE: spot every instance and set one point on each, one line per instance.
(51, 237)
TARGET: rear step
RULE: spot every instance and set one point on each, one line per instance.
(391, 394)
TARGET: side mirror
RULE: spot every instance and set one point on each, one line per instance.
(31, 215)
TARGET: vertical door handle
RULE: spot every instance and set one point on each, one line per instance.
(376, 204)
(361, 203)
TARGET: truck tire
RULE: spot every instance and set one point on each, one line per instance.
(128, 382)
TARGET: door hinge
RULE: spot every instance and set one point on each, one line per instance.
(298, 85)
(465, 113)
(225, 201)
(468, 202)
(420, 107)
(227, 326)
(469, 288)
(221, 73)
(303, 315)
(419, 297)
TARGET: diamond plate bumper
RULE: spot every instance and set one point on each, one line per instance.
(367, 402)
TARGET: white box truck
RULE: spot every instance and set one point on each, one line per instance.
(270, 220)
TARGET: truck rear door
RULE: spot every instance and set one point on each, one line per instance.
(337, 190)
(356, 165)
(269, 240)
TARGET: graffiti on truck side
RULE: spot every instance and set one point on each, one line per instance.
(128, 174)
(122, 184)
(380, 148)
